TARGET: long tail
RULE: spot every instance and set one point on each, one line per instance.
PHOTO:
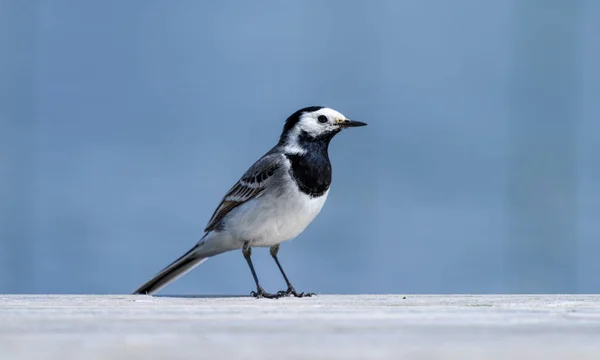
(178, 268)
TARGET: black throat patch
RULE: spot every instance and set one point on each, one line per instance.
(312, 170)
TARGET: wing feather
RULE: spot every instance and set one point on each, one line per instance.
(251, 185)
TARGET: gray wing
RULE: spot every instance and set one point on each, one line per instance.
(251, 185)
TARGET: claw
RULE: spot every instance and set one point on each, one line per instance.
(261, 293)
(291, 291)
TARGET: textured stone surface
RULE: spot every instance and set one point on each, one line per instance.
(326, 326)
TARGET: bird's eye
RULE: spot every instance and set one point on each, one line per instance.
(322, 119)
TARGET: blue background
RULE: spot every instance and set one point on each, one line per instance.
(122, 124)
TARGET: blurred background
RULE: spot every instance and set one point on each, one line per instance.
(122, 124)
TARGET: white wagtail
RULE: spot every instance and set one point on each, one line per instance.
(274, 201)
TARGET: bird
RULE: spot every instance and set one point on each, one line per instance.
(274, 201)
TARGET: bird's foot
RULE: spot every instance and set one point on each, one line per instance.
(261, 293)
(291, 291)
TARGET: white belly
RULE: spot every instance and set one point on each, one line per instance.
(274, 217)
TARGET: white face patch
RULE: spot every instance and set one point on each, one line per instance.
(309, 122)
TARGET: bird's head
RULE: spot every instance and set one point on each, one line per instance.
(315, 123)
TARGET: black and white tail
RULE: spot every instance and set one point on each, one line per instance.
(179, 267)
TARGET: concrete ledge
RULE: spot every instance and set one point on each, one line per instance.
(324, 327)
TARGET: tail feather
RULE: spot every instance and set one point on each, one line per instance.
(177, 268)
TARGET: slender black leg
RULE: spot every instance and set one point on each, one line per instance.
(290, 288)
(260, 292)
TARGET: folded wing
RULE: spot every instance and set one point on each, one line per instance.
(251, 185)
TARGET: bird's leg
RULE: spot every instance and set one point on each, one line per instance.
(290, 288)
(260, 292)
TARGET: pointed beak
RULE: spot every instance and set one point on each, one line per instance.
(351, 123)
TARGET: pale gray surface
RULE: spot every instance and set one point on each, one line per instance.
(327, 326)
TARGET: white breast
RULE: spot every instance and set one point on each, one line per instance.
(276, 216)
